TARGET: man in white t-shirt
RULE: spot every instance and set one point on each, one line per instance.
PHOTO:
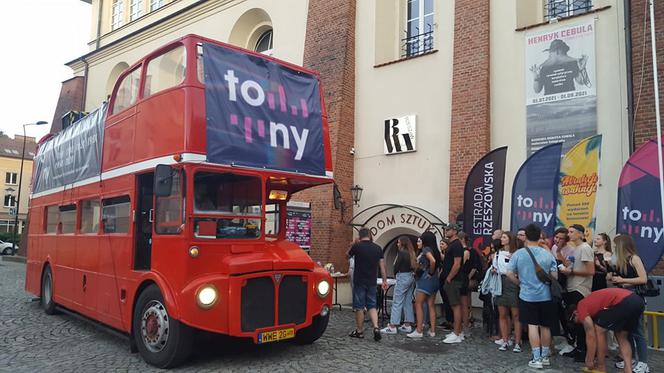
(579, 269)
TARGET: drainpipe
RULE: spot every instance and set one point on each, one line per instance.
(630, 78)
(86, 71)
(98, 40)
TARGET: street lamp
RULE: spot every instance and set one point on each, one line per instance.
(20, 181)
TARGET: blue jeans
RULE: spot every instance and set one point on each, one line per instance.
(640, 343)
(403, 298)
(364, 297)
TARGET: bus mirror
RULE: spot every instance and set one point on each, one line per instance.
(163, 180)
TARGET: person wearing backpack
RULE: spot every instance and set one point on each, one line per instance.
(536, 308)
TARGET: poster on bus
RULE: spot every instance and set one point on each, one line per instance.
(561, 93)
(298, 227)
(261, 114)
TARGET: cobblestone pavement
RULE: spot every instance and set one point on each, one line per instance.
(31, 341)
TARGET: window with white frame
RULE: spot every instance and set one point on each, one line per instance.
(156, 4)
(10, 178)
(6, 225)
(135, 9)
(419, 28)
(10, 200)
(117, 14)
(554, 9)
(264, 43)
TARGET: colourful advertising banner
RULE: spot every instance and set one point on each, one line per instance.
(535, 190)
(483, 197)
(261, 114)
(561, 99)
(579, 178)
(639, 206)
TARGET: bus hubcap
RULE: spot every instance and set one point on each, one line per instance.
(47, 289)
(154, 326)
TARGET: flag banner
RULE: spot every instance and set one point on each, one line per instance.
(261, 113)
(483, 197)
(639, 206)
(579, 178)
(535, 190)
(561, 94)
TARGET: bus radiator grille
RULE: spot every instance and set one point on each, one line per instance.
(293, 300)
(257, 305)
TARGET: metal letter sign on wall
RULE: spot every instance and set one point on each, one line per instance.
(400, 135)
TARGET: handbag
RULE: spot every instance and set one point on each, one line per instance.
(556, 289)
(647, 290)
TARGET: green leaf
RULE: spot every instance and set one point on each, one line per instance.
(595, 142)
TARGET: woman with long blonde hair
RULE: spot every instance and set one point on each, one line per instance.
(508, 301)
(630, 273)
(405, 264)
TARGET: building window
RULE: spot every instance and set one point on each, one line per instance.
(10, 201)
(554, 9)
(6, 226)
(264, 43)
(117, 17)
(10, 178)
(419, 28)
(156, 4)
(135, 9)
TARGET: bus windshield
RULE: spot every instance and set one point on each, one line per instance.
(232, 205)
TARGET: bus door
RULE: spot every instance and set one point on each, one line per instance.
(145, 217)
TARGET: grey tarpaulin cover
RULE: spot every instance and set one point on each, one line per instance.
(72, 155)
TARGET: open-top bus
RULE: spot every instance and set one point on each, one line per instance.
(164, 211)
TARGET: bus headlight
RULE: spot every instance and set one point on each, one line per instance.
(207, 296)
(323, 288)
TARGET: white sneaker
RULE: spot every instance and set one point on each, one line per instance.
(562, 345)
(499, 342)
(567, 349)
(503, 347)
(431, 334)
(621, 364)
(453, 339)
(537, 364)
(389, 330)
(414, 334)
(641, 367)
(517, 348)
(546, 362)
(405, 328)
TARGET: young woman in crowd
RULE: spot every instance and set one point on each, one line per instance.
(468, 268)
(426, 282)
(447, 310)
(603, 253)
(630, 273)
(508, 302)
(405, 264)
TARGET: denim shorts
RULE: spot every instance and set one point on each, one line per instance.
(364, 297)
(427, 284)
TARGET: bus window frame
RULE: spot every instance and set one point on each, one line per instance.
(102, 223)
(139, 96)
(146, 64)
(183, 197)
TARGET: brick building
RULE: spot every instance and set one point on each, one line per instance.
(454, 75)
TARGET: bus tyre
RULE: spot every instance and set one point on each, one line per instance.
(46, 301)
(162, 341)
(314, 331)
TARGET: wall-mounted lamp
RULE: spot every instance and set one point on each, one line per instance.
(356, 193)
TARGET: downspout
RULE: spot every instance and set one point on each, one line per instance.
(630, 82)
(98, 40)
(86, 71)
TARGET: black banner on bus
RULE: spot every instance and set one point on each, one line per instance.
(72, 155)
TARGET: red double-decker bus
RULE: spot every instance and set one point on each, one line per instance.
(164, 212)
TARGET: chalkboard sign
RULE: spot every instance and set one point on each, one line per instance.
(298, 227)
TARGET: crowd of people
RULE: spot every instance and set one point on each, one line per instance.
(587, 296)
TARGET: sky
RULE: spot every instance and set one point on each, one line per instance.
(40, 36)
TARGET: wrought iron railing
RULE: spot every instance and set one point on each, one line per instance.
(417, 44)
(554, 9)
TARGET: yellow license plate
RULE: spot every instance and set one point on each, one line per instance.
(276, 335)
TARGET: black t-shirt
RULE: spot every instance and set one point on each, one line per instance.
(402, 262)
(367, 256)
(455, 250)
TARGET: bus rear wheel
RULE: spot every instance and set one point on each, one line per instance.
(46, 301)
(314, 331)
(162, 341)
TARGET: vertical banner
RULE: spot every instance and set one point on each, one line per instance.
(579, 178)
(535, 190)
(561, 98)
(483, 197)
(639, 209)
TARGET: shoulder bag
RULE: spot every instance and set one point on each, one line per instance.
(556, 289)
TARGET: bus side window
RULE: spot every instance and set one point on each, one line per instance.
(170, 209)
(67, 219)
(165, 71)
(90, 214)
(115, 214)
(127, 92)
(52, 219)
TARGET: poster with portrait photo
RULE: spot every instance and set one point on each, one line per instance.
(561, 94)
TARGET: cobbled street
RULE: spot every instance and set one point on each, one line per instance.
(31, 341)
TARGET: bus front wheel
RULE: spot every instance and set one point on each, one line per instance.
(46, 301)
(162, 341)
(314, 331)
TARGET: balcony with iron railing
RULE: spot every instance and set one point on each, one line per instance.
(417, 44)
(556, 9)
